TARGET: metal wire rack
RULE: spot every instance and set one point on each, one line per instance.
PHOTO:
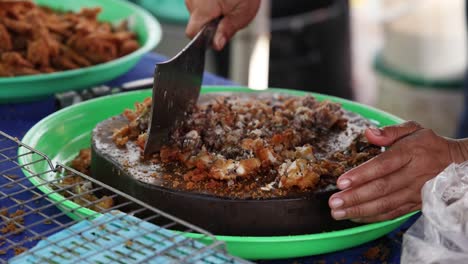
(69, 217)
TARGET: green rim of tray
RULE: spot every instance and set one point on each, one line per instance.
(60, 137)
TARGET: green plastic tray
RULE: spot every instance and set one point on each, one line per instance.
(33, 87)
(62, 134)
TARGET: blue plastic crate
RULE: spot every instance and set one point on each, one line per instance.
(120, 238)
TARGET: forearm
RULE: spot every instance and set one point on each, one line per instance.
(459, 150)
(464, 148)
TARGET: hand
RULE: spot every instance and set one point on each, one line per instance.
(389, 185)
(236, 15)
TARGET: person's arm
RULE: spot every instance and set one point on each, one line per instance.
(462, 148)
(237, 14)
(389, 185)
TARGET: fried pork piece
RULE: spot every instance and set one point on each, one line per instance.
(138, 122)
(298, 173)
(15, 59)
(52, 41)
(234, 139)
(82, 162)
(5, 70)
(128, 46)
(6, 43)
(38, 52)
(96, 47)
(15, 9)
(71, 55)
(13, 63)
(17, 26)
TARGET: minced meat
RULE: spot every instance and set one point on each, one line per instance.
(277, 140)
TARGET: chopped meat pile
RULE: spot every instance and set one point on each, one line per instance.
(35, 39)
(275, 142)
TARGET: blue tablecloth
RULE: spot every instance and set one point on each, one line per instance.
(16, 119)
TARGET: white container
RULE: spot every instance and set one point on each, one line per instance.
(426, 38)
(434, 104)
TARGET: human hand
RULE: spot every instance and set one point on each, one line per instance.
(389, 185)
(236, 15)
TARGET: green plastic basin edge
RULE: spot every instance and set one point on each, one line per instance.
(245, 247)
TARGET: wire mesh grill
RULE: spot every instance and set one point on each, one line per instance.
(68, 217)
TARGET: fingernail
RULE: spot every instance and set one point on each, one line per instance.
(376, 131)
(344, 183)
(338, 214)
(336, 202)
(220, 40)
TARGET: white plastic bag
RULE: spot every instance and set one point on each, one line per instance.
(441, 234)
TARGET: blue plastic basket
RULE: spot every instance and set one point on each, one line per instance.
(120, 238)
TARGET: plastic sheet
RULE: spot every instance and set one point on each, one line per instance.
(441, 234)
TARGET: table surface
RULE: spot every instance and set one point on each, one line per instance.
(17, 119)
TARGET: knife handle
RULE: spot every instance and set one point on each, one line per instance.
(209, 30)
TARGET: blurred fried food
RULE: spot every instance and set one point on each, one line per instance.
(36, 39)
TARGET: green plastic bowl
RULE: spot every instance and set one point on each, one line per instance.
(381, 67)
(33, 87)
(62, 134)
